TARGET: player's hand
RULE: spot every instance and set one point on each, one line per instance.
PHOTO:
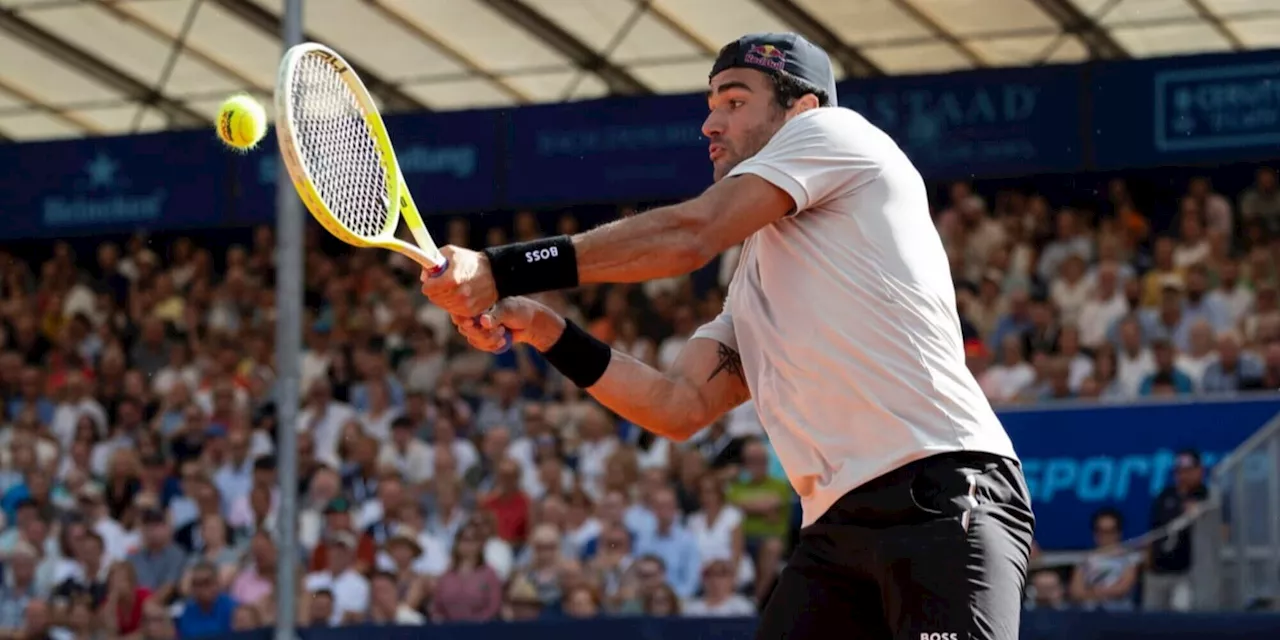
(466, 287)
(530, 322)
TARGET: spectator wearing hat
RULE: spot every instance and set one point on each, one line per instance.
(207, 611)
(522, 602)
(159, 563)
(339, 519)
(18, 588)
(341, 577)
(431, 557)
(403, 559)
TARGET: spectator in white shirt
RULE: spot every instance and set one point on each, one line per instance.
(1079, 365)
(76, 401)
(350, 589)
(323, 417)
(598, 439)
(407, 454)
(1070, 289)
(1215, 208)
(1200, 354)
(377, 417)
(1193, 244)
(1011, 376)
(1104, 307)
(1134, 361)
(718, 598)
(1231, 294)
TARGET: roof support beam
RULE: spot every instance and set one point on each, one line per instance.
(1215, 21)
(88, 64)
(818, 33)
(426, 34)
(36, 104)
(619, 80)
(123, 11)
(393, 97)
(1097, 40)
(940, 32)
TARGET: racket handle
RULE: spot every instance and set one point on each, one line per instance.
(506, 338)
(439, 269)
(506, 335)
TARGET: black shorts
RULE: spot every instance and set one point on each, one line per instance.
(934, 550)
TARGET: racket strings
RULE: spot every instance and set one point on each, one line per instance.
(338, 149)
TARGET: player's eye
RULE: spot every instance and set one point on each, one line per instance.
(734, 104)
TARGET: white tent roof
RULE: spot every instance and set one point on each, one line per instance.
(92, 67)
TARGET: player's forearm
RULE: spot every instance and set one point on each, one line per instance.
(666, 405)
(662, 243)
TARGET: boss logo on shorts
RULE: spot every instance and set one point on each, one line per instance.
(939, 636)
(538, 255)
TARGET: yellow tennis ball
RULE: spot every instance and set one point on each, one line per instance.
(242, 122)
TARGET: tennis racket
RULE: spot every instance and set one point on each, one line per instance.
(340, 159)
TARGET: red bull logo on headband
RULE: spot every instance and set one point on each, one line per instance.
(766, 55)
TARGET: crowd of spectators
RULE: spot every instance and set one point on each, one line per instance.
(138, 482)
(1099, 304)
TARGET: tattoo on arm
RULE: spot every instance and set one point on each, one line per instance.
(730, 362)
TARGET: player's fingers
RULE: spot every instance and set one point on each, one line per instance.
(486, 342)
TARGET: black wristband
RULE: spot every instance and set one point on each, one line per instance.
(549, 264)
(578, 355)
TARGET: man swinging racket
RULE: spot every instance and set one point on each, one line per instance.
(840, 322)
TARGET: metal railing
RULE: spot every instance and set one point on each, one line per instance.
(1236, 538)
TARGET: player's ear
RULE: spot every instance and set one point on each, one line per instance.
(806, 102)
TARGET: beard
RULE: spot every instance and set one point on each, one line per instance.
(746, 147)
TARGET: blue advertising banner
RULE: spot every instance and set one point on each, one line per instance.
(111, 184)
(610, 150)
(1035, 625)
(1005, 122)
(1080, 459)
(1190, 110)
(449, 160)
(987, 123)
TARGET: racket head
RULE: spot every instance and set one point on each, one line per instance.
(337, 151)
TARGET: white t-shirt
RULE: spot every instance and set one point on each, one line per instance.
(737, 606)
(350, 592)
(845, 315)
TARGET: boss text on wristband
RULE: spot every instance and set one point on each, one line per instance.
(549, 264)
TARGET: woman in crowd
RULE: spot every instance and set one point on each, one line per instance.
(470, 591)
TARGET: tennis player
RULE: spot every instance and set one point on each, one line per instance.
(841, 324)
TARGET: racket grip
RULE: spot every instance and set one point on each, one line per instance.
(438, 269)
(506, 335)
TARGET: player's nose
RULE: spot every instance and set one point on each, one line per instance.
(713, 126)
